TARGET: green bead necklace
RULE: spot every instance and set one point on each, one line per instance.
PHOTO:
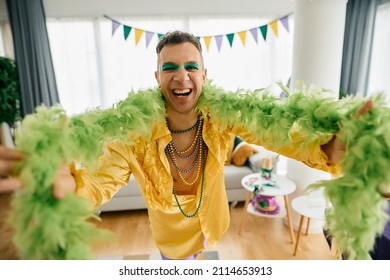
(201, 190)
(185, 130)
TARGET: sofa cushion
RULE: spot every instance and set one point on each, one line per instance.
(233, 175)
(241, 153)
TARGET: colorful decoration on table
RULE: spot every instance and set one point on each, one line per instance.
(264, 204)
(47, 228)
(207, 39)
(261, 203)
(266, 168)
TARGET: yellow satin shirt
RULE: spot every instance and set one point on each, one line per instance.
(175, 235)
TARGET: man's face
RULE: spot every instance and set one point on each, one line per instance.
(181, 76)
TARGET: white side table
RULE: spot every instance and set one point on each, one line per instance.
(310, 207)
(283, 186)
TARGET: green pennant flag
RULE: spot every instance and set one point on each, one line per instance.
(230, 38)
(263, 30)
(126, 31)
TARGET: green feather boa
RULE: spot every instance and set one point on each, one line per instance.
(47, 228)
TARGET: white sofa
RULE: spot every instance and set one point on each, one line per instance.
(129, 197)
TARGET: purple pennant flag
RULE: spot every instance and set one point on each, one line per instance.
(284, 21)
(115, 26)
(218, 39)
(148, 37)
(254, 33)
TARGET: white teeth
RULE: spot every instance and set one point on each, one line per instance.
(181, 91)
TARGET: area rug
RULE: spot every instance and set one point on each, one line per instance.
(208, 255)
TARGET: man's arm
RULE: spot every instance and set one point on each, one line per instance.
(334, 149)
(90, 187)
(64, 182)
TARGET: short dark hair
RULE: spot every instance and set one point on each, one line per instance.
(178, 37)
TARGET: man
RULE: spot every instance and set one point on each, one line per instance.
(179, 169)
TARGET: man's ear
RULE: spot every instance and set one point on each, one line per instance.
(204, 75)
(156, 75)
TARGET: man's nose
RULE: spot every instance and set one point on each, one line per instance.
(181, 75)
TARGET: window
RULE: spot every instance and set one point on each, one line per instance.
(380, 58)
(2, 51)
(75, 64)
(95, 69)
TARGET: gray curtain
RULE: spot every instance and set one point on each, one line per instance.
(32, 54)
(359, 31)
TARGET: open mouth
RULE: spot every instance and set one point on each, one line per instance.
(182, 92)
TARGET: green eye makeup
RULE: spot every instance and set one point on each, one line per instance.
(169, 66)
(175, 67)
(191, 66)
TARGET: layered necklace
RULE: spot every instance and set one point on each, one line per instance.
(195, 153)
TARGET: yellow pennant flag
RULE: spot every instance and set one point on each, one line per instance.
(207, 41)
(138, 34)
(242, 35)
(274, 27)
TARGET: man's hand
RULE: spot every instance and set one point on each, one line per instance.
(334, 149)
(8, 159)
(64, 182)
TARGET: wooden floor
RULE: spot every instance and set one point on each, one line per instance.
(261, 238)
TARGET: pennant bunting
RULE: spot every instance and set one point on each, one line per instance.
(242, 36)
(284, 21)
(264, 30)
(254, 34)
(230, 37)
(218, 40)
(274, 27)
(207, 39)
(138, 35)
(115, 26)
(148, 37)
(126, 31)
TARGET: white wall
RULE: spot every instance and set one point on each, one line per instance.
(125, 8)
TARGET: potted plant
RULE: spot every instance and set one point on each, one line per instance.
(9, 95)
(9, 92)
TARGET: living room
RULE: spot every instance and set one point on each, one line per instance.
(102, 50)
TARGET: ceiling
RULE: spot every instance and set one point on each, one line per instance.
(125, 8)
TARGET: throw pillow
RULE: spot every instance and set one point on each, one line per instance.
(241, 152)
